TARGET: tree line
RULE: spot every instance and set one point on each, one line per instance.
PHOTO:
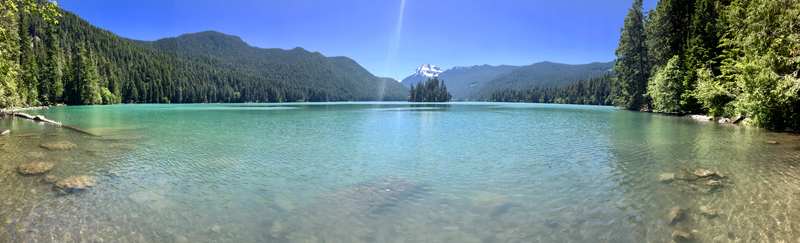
(725, 58)
(69, 61)
(430, 91)
(593, 91)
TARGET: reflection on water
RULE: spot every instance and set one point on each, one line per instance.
(395, 172)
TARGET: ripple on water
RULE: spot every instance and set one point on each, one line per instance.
(460, 173)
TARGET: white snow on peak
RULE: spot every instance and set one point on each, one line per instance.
(428, 70)
(399, 80)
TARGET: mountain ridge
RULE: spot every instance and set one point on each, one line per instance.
(477, 82)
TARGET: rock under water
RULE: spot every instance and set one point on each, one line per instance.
(35, 168)
(60, 145)
(365, 198)
(82, 182)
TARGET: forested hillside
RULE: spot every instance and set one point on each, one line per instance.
(543, 74)
(478, 82)
(725, 58)
(463, 81)
(593, 91)
(74, 62)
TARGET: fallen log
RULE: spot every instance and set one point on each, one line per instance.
(45, 120)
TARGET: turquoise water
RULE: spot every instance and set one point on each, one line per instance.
(393, 172)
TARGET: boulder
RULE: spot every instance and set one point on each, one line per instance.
(680, 236)
(60, 145)
(666, 177)
(5, 133)
(76, 182)
(35, 168)
(708, 211)
(725, 120)
(676, 214)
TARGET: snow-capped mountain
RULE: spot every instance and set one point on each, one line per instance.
(428, 71)
(421, 74)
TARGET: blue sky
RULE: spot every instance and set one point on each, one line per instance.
(390, 38)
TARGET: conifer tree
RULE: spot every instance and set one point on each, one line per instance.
(630, 67)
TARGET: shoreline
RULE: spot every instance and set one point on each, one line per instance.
(7, 111)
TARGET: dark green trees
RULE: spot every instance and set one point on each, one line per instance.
(720, 57)
(29, 73)
(430, 91)
(593, 91)
(631, 66)
(50, 82)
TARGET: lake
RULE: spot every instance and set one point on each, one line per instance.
(396, 172)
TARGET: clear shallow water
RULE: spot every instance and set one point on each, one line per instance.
(393, 172)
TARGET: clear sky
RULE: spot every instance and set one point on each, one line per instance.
(390, 38)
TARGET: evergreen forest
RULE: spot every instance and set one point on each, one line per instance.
(593, 91)
(433, 90)
(62, 59)
(724, 58)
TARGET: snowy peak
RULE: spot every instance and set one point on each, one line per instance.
(428, 70)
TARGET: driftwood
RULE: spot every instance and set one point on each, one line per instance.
(45, 120)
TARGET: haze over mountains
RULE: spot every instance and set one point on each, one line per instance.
(478, 82)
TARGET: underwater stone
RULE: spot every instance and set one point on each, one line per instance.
(680, 236)
(5, 133)
(50, 179)
(60, 145)
(675, 215)
(708, 211)
(35, 168)
(666, 177)
(76, 182)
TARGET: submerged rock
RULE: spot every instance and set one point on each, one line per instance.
(368, 197)
(700, 180)
(50, 179)
(676, 214)
(680, 236)
(60, 145)
(708, 211)
(35, 168)
(706, 173)
(685, 174)
(5, 133)
(666, 177)
(76, 182)
(118, 137)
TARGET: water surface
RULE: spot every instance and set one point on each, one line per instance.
(393, 172)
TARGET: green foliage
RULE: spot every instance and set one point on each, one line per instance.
(631, 66)
(767, 70)
(430, 91)
(666, 86)
(737, 57)
(9, 64)
(593, 91)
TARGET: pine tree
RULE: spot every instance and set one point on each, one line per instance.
(29, 73)
(632, 71)
(51, 86)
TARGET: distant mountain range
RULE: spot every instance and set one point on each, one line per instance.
(478, 82)
(193, 68)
